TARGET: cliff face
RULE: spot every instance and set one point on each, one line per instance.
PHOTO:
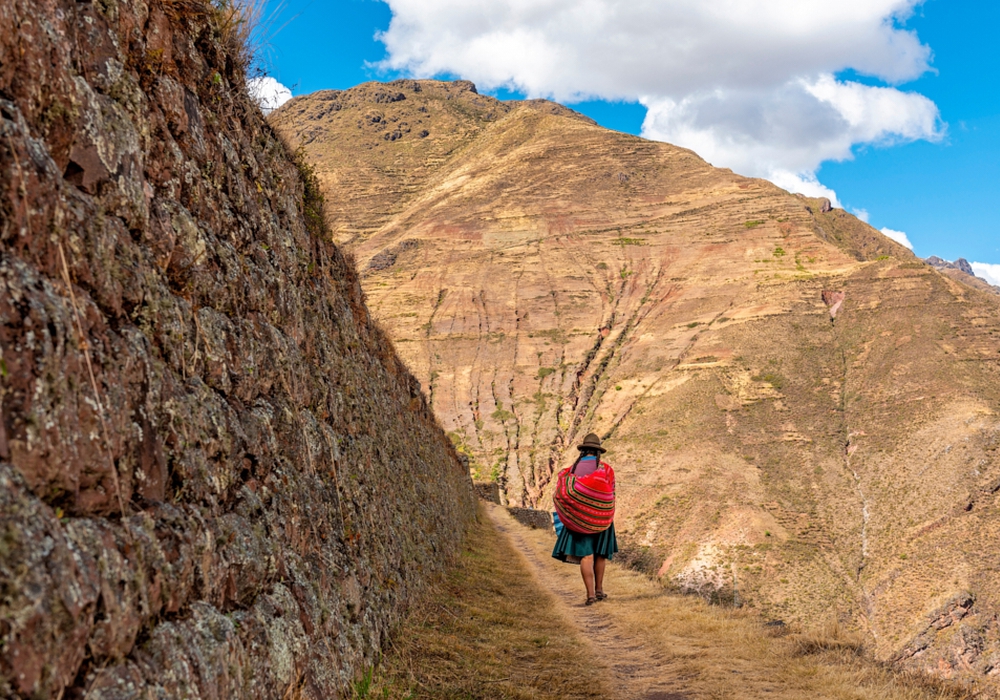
(545, 277)
(216, 477)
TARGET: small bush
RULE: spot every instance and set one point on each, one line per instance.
(502, 415)
(312, 195)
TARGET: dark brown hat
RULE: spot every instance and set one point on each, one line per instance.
(591, 442)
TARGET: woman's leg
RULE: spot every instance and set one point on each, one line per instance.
(587, 571)
(599, 564)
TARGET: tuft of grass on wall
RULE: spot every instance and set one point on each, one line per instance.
(312, 195)
(243, 25)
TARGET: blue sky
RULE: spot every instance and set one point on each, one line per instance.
(938, 184)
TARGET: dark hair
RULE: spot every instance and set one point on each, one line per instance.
(587, 452)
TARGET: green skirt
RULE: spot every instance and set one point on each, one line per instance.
(572, 546)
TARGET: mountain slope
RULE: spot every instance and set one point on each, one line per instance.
(545, 277)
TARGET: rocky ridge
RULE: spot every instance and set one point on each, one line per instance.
(962, 271)
(202, 427)
(799, 410)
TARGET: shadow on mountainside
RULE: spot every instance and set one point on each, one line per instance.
(509, 622)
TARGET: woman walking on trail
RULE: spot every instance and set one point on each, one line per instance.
(585, 504)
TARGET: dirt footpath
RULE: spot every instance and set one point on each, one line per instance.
(660, 646)
(636, 670)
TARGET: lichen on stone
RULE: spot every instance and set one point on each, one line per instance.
(216, 477)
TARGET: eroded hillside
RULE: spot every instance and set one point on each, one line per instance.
(545, 277)
(202, 429)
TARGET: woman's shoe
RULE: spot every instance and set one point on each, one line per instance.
(591, 601)
(601, 595)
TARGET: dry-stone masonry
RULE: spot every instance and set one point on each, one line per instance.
(216, 477)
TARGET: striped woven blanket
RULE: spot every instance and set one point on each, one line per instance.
(586, 504)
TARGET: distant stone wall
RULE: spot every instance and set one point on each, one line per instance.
(488, 491)
(538, 519)
(216, 477)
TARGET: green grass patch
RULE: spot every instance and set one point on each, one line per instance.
(556, 335)
(772, 378)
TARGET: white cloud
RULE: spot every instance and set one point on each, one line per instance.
(786, 133)
(897, 236)
(268, 93)
(804, 183)
(862, 214)
(988, 271)
(747, 84)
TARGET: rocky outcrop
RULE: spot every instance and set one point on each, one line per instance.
(834, 300)
(822, 204)
(216, 477)
(387, 258)
(953, 643)
(962, 265)
(962, 271)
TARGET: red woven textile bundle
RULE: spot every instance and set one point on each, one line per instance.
(586, 504)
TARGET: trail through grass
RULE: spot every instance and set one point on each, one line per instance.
(509, 622)
(488, 631)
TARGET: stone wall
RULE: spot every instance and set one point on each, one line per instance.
(216, 477)
(489, 491)
(530, 517)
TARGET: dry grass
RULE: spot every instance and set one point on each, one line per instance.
(244, 25)
(727, 653)
(247, 26)
(487, 631)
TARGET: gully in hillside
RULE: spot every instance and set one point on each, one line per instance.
(585, 507)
